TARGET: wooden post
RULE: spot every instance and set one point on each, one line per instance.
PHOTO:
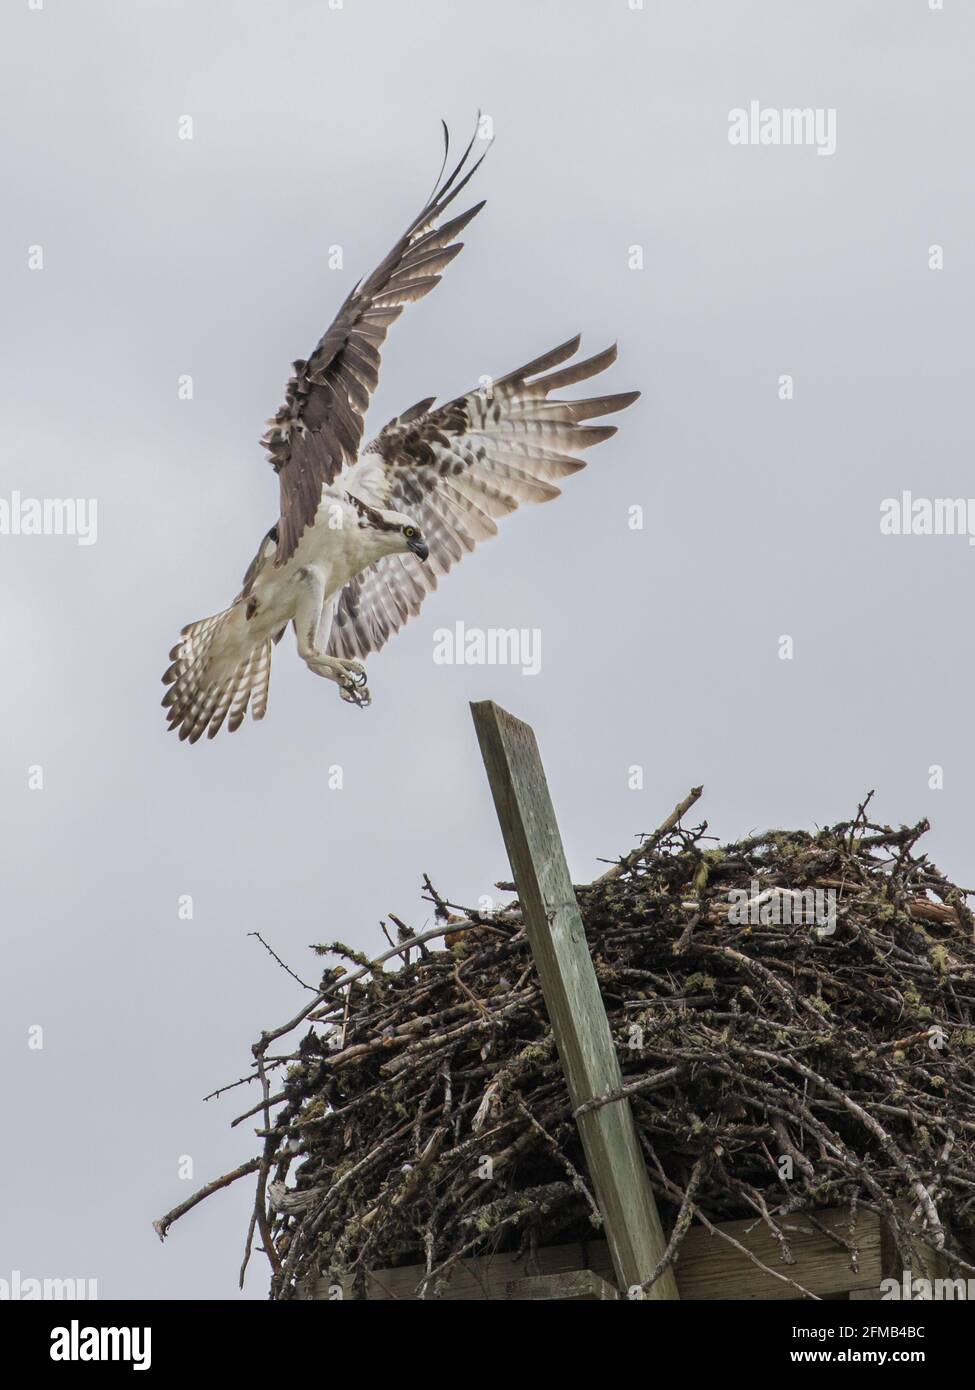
(575, 1008)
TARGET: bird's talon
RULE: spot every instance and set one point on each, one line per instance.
(354, 692)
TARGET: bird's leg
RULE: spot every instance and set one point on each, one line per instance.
(310, 609)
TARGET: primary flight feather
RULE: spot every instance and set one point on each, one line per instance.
(363, 535)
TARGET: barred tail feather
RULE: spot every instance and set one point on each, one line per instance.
(214, 676)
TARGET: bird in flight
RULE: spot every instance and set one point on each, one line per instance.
(364, 535)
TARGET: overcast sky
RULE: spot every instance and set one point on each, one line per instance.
(163, 257)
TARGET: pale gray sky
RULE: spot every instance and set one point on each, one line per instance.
(315, 126)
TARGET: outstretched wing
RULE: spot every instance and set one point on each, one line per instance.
(318, 430)
(454, 470)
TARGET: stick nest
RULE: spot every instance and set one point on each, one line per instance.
(778, 1051)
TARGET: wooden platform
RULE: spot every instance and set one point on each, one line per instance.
(709, 1267)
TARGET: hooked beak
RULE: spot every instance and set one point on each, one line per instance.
(419, 548)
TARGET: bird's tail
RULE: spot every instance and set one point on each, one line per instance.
(215, 674)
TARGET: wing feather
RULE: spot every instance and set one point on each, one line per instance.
(457, 468)
(318, 430)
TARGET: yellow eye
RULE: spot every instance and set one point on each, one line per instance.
(409, 532)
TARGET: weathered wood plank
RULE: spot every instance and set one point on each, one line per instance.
(581, 1286)
(582, 1034)
(709, 1267)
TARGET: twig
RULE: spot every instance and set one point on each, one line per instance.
(652, 841)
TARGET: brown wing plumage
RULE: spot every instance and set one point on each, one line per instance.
(319, 428)
(455, 469)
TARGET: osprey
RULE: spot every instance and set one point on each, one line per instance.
(364, 536)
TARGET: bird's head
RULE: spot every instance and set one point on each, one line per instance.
(406, 534)
(391, 533)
